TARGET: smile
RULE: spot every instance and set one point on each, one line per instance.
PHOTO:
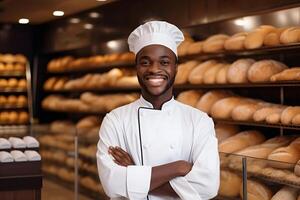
(156, 80)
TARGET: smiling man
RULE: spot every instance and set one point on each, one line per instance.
(157, 148)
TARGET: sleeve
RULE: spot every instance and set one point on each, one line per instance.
(132, 182)
(203, 181)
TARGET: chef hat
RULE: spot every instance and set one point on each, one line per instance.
(155, 32)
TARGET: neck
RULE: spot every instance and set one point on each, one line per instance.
(158, 101)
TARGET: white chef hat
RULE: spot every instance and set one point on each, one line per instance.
(155, 32)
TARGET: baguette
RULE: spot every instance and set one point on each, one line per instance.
(184, 70)
(255, 39)
(214, 43)
(221, 77)
(236, 42)
(262, 113)
(292, 74)
(210, 75)
(197, 74)
(289, 113)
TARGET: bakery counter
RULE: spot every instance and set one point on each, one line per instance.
(258, 124)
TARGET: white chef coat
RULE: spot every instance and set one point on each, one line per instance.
(176, 132)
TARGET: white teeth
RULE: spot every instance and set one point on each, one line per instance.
(156, 81)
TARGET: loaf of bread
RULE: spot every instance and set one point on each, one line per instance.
(224, 131)
(262, 113)
(190, 97)
(236, 42)
(286, 193)
(208, 99)
(286, 157)
(229, 184)
(182, 49)
(237, 72)
(245, 112)
(88, 123)
(196, 76)
(274, 118)
(257, 191)
(210, 74)
(195, 48)
(184, 70)
(262, 71)
(289, 113)
(221, 77)
(297, 169)
(12, 83)
(292, 74)
(222, 109)
(241, 141)
(296, 120)
(49, 84)
(127, 81)
(273, 38)
(22, 84)
(214, 43)
(290, 35)
(113, 75)
(255, 39)
(59, 84)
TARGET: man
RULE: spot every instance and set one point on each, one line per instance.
(157, 148)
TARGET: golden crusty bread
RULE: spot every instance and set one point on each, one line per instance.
(208, 99)
(274, 118)
(184, 70)
(195, 48)
(296, 120)
(127, 81)
(290, 35)
(273, 38)
(210, 74)
(229, 184)
(257, 191)
(286, 193)
(237, 72)
(197, 74)
(255, 39)
(236, 42)
(88, 123)
(182, 49)
(190, 97)
(221, 77)
(49, 84)
(262, 71)
(224, 131)
(245, 112)
(291, 74)
(240, 141)
(214, 43)
(297, 169)
(289, 113)
(262, 113)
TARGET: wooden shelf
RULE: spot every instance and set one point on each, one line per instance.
(12, 74)
(11, 90)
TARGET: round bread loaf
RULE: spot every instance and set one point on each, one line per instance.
(237, 72)
(290, 35)
(292, 74)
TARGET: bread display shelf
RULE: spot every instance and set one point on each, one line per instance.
(12, 74)
(94, 69)
(13, 107)
(251, 52)
(12, 90)
(100, 90)
(13, 130)
(246, 123)
(245, 85)
(77, 113)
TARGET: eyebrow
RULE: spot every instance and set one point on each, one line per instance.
(147, 57)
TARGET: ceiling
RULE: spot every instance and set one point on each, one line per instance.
(40, 11)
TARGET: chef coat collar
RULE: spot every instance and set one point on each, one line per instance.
(166, 106)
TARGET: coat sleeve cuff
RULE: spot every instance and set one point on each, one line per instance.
(138, 181)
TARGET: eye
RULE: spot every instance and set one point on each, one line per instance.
(165, 62)
(144, 62)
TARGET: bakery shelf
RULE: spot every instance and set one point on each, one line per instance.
(246, 123)
(7, 107)
(12, 90)
(12, 74)
(250, 52)
(77, 113)
(94, 69)
(100, 90)
(244, 85)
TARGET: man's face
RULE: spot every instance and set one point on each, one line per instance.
(156, 69)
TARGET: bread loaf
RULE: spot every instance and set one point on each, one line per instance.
(49, 84)
(184, 71)
(296, 120)
(241, 141)
(255, 39)
(262, 71)
(274, 118)
(113, 75)
(292, 74)
(210, 74)
(208, 99)
(59, 84)
(229, 184)
(197, 74)
(183, 47)
(245, 112)
(289, 113)
(262, 113)
(257, 191)
(286, 157)
(237, 72)
(290, 35)
(222, 109)
(286, 193)
(235, 42)
(127, 81)
(190, 97)
(221, 77)
(195, 48)
(224, 131)
(214, 43)
(297, 169)
(273, 38)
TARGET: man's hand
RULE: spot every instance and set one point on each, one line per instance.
(120, 156)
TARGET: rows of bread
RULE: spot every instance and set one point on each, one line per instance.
(244, 70)
(14, 117)
(13, 83)
(13, 101)
(88, 102)
(13, 58)
(261, 36)
(114, 78)
(69, 63)
(221, 104)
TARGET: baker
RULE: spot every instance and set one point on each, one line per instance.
(157, 148)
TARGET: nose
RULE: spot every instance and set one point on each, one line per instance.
(154, 67)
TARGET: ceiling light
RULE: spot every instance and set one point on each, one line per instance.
(88, 26)
(58, 13)
(74, 20)
(113, 44)
(23, 21)
(94, 15)
(101, 0)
